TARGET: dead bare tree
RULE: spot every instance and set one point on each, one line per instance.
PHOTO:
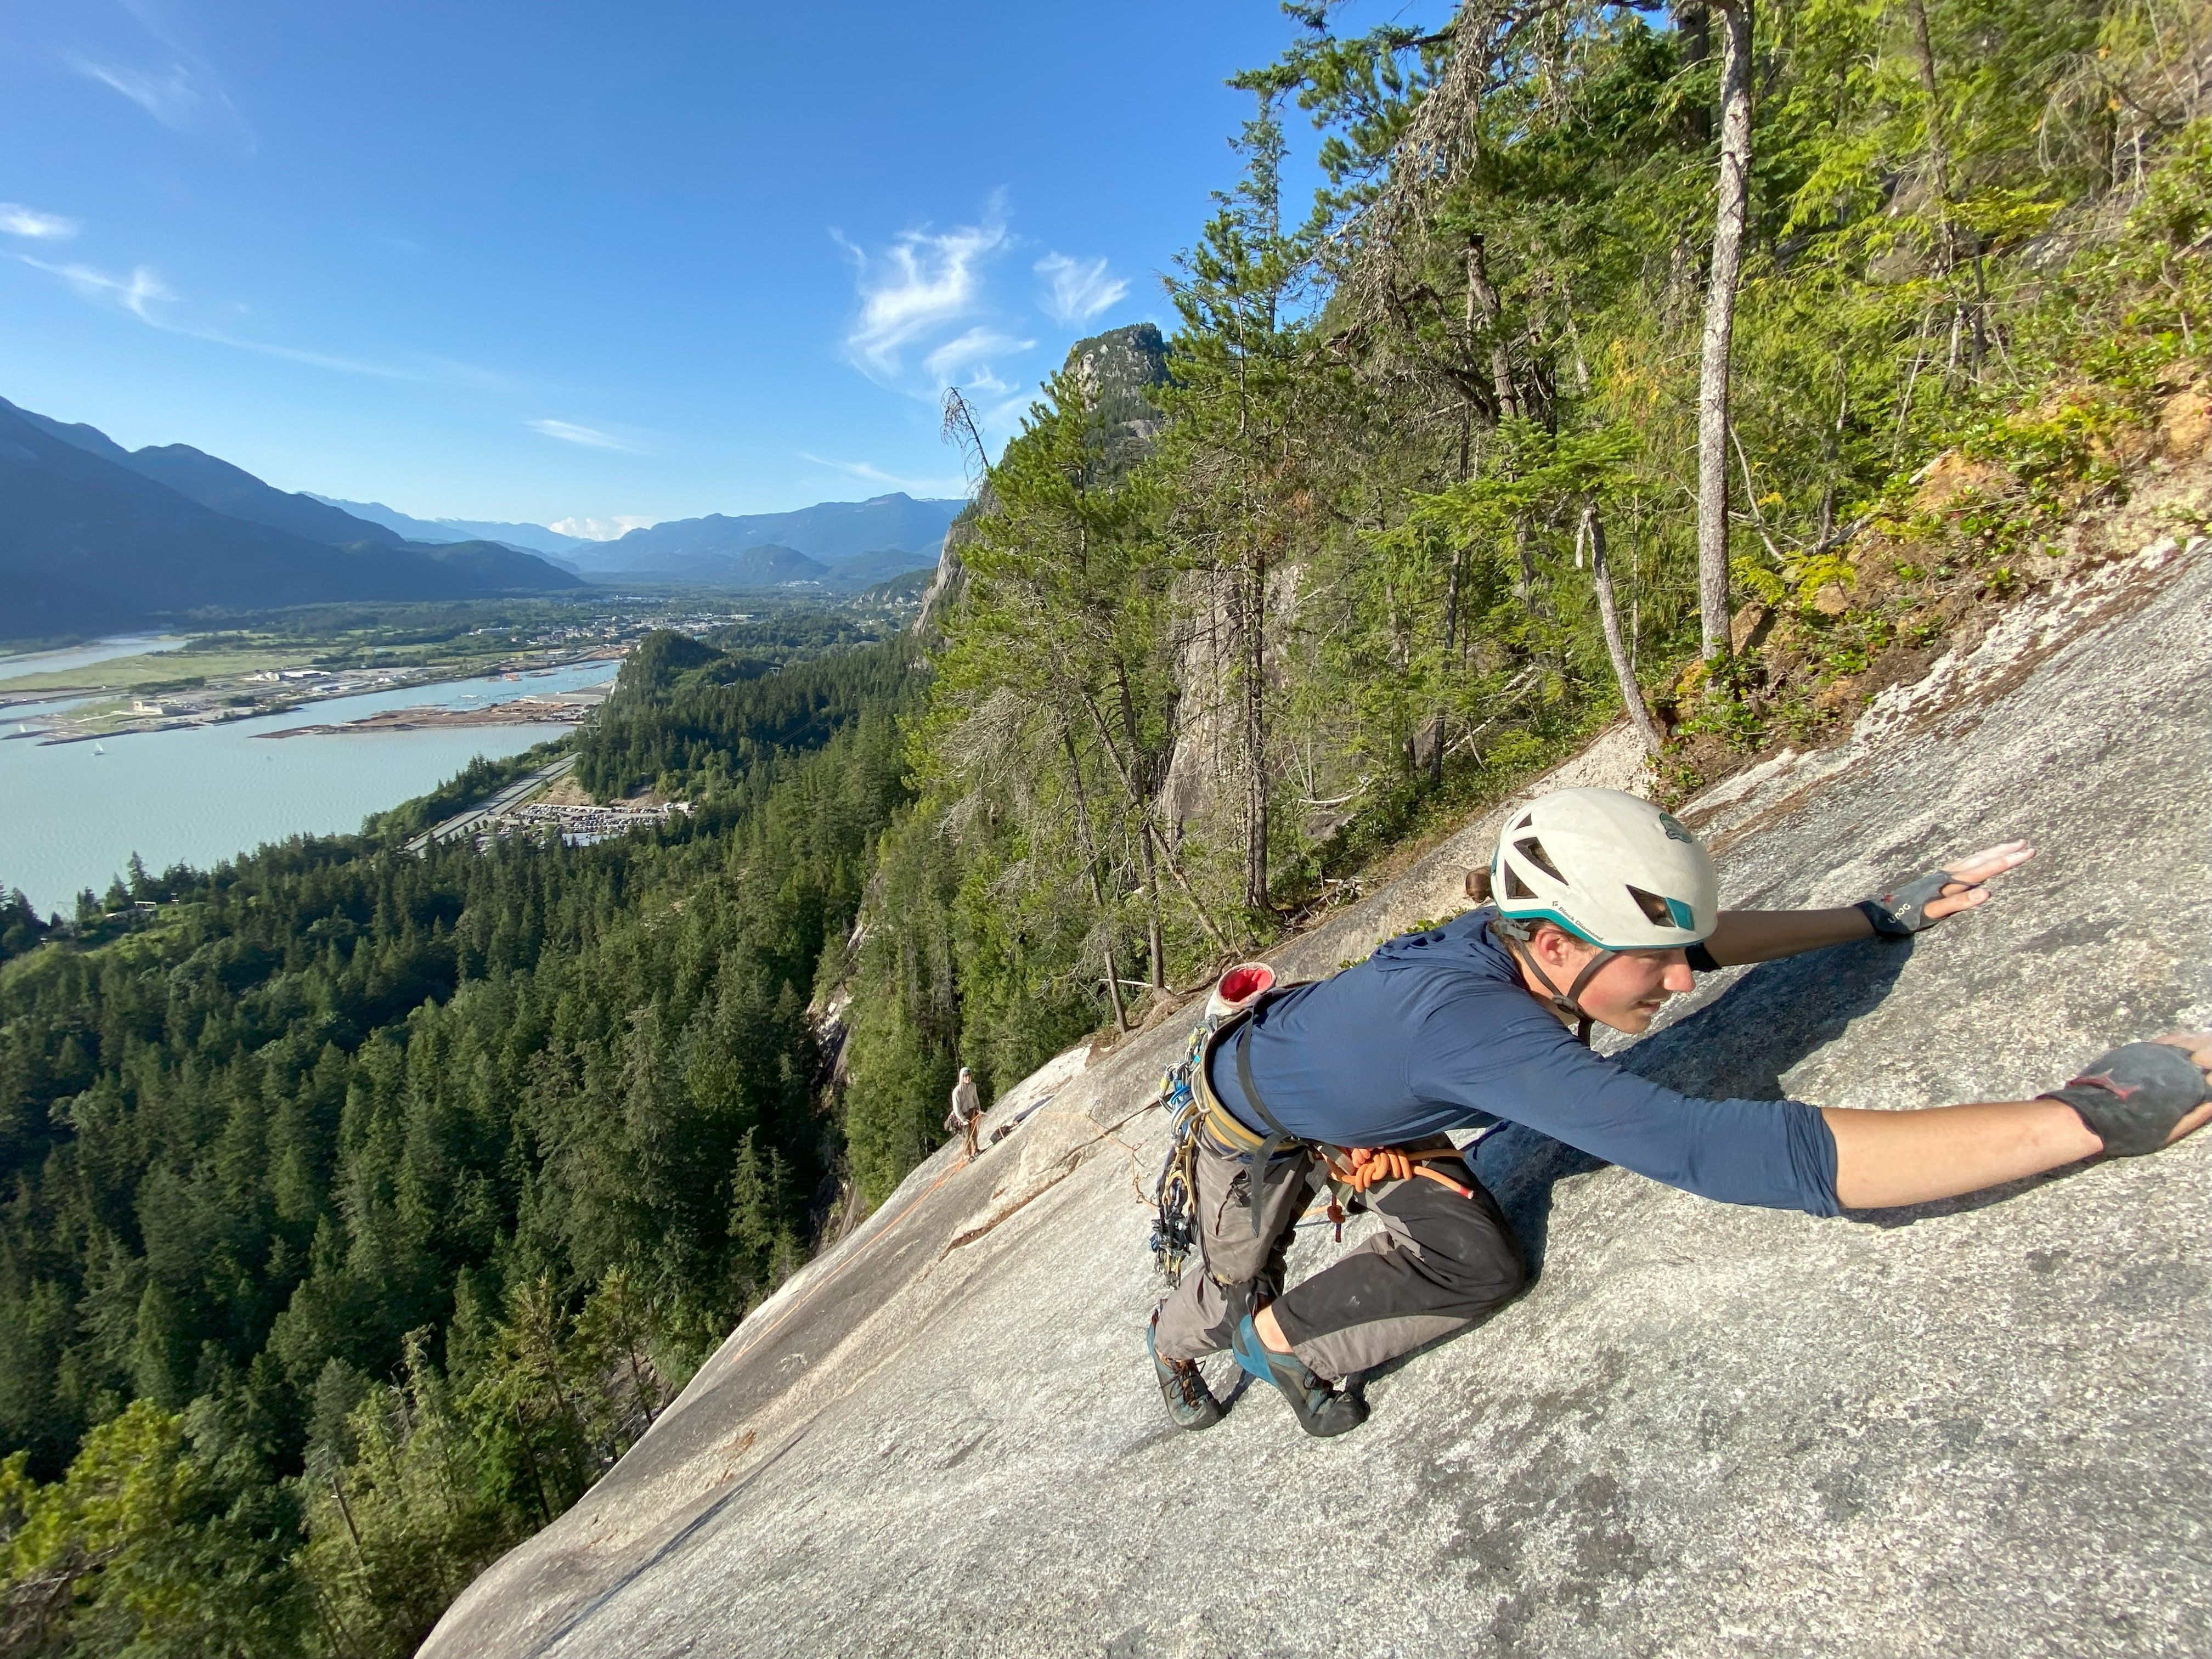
(1608, 615)
(1729, 216)
(959, 430)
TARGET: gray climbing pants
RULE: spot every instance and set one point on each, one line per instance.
(1441, 1263)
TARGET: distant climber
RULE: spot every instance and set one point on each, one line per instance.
(1602, 908)
(966, 1116)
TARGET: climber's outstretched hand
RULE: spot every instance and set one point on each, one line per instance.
(2197, 1045)
(1967, 887)
(2122, 1106)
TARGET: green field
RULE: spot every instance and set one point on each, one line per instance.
(156, 668)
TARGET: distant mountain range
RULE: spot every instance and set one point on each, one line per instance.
(529, 537)
(840, 545)
(852, 543)
(95, 537)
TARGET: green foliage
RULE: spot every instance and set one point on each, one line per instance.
(689, 718)
(22, 927)
(146, 1545)
(421, 1180)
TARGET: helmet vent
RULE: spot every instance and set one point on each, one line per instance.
(1533, 850)
(1654, 907)
(1515, 887)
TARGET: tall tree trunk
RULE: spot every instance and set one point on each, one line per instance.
(1157, 970)
(1720, 323)
(1966, 316)
(1939, 155)
(1608, 616)
(1482, 299)
(1143, 805)
(1695, 22)
(1255, 732)
(1452, 649)
(1090, 868)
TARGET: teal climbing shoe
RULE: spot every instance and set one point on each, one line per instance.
(1190, 1402)
(1322, 1410)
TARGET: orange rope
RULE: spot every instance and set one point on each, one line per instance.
(1371, 1166)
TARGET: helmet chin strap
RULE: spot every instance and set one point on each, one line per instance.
(1569, 1004)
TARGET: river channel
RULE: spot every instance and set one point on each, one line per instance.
(71, 814)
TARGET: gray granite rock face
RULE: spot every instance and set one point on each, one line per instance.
(1972, 1428)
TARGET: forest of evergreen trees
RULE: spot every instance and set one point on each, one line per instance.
(362, 1207)
(359, 1209)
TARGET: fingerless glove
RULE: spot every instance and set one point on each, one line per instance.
(1903, 911)
(2131, 1099)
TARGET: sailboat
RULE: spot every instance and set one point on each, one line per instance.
(99, 749)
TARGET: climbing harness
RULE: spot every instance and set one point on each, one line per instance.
(1189, 1104)
(1193, 1111)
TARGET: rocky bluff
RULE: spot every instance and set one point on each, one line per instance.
(1974, 1427)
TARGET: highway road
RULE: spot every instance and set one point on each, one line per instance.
(516, 793)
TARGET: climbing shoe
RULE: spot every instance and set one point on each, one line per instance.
(1190, 1402)
(1322, 1410)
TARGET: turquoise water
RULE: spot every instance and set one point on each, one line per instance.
(83, 656)
(70, 816)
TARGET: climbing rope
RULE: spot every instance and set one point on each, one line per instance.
(1370, 1166)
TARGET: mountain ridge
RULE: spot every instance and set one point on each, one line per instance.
(95, 542)
(828, 531)
(538, 538)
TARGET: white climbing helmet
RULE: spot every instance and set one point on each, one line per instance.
(1608, 867)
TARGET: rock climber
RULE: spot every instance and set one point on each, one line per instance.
(967, 1114)
(1602, 907)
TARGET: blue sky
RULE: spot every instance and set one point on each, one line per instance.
(610, 263)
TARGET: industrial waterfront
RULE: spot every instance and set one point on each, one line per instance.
(74, 813)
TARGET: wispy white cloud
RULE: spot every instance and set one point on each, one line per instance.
(932, 312)
(966, 360)
(924, 283)
(182, 95)
(160, 73)
(17, 220)
(602, 530)
(1076, 290)
(144, 295)
(941, 488)
(591, 437)
(137, 294)
(168, 95)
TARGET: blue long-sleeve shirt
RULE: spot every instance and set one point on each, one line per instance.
(1434, 1032)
